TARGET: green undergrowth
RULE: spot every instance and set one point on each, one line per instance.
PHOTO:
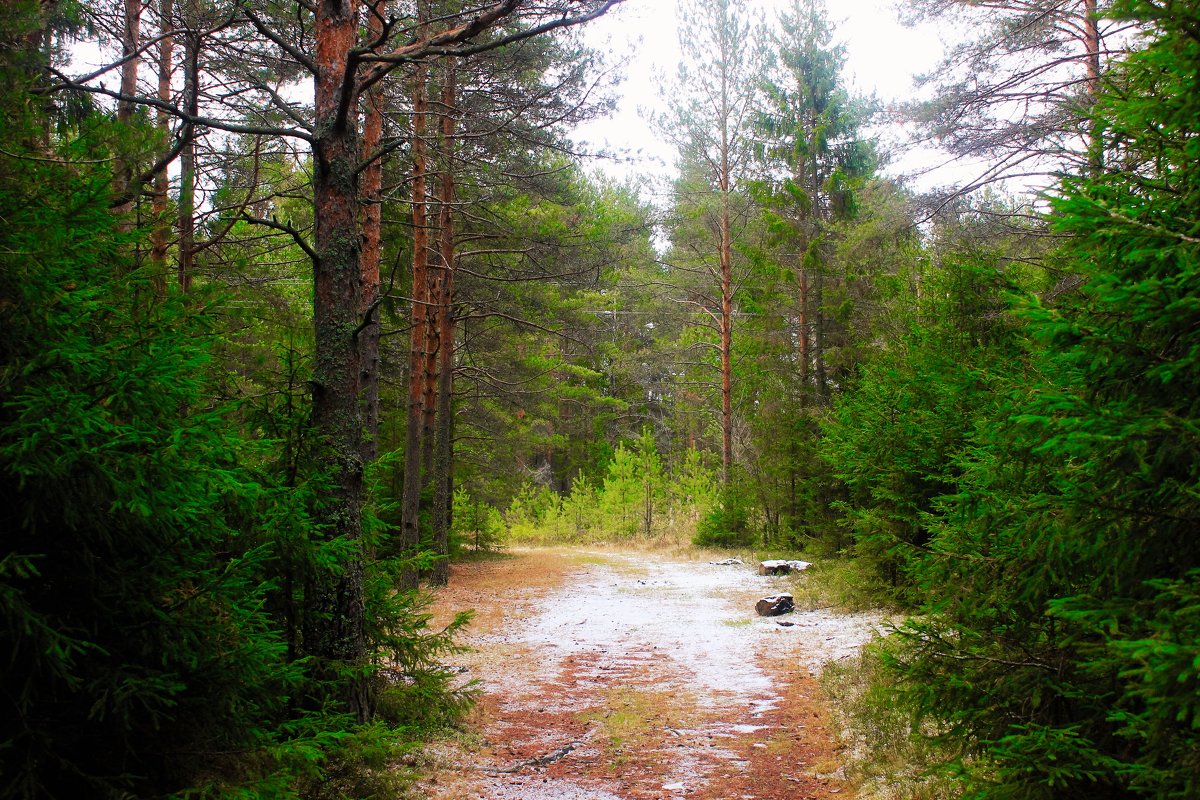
(888, 754)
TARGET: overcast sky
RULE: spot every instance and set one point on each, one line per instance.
(882, 58)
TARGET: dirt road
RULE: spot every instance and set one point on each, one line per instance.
(613, 676)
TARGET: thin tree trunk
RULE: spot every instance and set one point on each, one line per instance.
(819, 338)
(726, 330)
(161, 234)
(444, 455)
(130, 35)
(334, 624)
(1091, 41)
(370, 190)
(38, 44)
(803, 338)
(187, 156)
(725, 182)
(410, 502)
(436, 279)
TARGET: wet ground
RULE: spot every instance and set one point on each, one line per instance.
(620, 676)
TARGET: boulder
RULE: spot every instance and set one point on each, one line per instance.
(775, 605)
(781, 567)
(729, 562)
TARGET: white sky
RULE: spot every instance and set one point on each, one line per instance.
(882, 58)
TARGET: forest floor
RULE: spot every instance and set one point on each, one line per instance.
(608, 675)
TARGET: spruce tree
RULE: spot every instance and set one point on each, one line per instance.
(1058, 645)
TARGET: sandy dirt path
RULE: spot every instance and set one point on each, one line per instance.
(617, 676)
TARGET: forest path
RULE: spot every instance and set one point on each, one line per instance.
(620, 676)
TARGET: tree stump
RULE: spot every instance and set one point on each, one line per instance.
(775, 605)
(782, 567)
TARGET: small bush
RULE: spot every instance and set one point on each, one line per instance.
(727, 524)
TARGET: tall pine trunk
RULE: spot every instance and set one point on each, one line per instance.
(333, 628)
(187, 156)
(410, 502)
(726, 257)
(161, 234)
(130, 36)
(370, 190)
(444, 453)
(435, 278)
(1091, 41)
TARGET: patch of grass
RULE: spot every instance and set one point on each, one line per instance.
(841, 584)
(887, 757)
(634, 719)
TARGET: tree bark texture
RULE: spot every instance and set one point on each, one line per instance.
(435, 277)
(187, 156)
(410, 502)
(444, 454)
(370, 190)
(161, 234)
(1091, 37)
(130, 36)
(335, 612)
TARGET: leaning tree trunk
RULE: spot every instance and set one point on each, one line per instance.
(333, 628)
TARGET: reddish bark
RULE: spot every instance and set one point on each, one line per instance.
(370, 191)
(161, 234)
(334, 625)
(444, 454)
(435, 278)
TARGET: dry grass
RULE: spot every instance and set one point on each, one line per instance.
(886, 758)
(499, 587)
(634, 720)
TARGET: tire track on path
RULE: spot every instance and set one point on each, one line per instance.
(606, 677)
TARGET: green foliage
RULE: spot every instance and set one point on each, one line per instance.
(1055, 652)
(890, 753)
(727, 524)
(135, 543)
(154, 535)
(693, 485)
(896, 439)
(639, 495)
(476, 525)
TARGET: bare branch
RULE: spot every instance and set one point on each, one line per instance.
(297, 237)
